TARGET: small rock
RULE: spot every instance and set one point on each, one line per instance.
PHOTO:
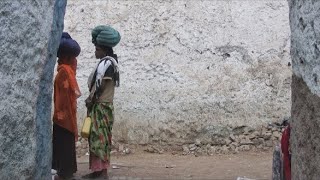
(252, 136)
(232, 138)
(198, 142)
(236, 151)
(274, 129)
(212, 150)
(246, 141)
(267, 135)
(127, 151)
(113, 152)
(115, 167)
(243, 178)
(150, 150)
(192, 147)
(258, 141)
(121, 148)
(235, 144)
(276, 134)
(269, 143)
(263, 131)
(245, 148)
(157, 150)
(260, 146)
(224, 149)
(228, 141)
(247, 131)
(185, 149)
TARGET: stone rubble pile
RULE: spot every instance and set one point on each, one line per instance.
(263, 138)
(241, 139)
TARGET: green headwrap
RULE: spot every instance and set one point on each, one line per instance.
(105, 36)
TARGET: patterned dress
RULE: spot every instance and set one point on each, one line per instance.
(101, 83)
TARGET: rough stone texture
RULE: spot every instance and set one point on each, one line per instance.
(30, 33)
(240, 139)
(190, 69)
(305, 137)
(305, 25)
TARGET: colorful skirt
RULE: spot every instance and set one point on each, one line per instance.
(100, 135)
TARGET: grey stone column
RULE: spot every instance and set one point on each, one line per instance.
(305, 52)
(29, 36)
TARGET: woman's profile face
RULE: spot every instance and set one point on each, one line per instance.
(100, 53)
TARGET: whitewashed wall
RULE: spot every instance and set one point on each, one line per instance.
(189, 68)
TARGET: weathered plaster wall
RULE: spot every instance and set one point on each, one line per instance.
(189, 69)
(29, 35)
(305, 137)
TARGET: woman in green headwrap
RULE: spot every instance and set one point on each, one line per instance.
(101, 83)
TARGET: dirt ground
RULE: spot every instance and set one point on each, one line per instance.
(144, 165)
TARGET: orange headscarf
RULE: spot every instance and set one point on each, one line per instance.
(66, 92)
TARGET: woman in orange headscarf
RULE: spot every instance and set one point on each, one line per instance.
(66, 92)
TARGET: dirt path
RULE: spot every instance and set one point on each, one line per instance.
(143, 165)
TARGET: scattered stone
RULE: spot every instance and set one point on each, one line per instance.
(232, 138)
(185, 148)
(244, 148)
(228, 141)
(243, 178)
(115, 167)
(262, 138)
(127, 151)
(236, 151)
(260, 146)
(248, 130)
(157, 150)
(267, 135)
(150, 150)
(121, 148)
(192, 147)
(198, 142)
(246, 141)
(269, 143)
(276, 134)
(224, 149)
(253, 135)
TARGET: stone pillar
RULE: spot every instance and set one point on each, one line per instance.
(305, 52)
(29, 36)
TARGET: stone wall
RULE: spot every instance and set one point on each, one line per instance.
(263, 138)
(190, 69)
(305, 137)
(30, 33)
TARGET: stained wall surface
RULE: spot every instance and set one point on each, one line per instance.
(190, 68)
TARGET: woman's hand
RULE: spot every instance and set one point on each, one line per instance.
(78, 93)
(89, 102)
